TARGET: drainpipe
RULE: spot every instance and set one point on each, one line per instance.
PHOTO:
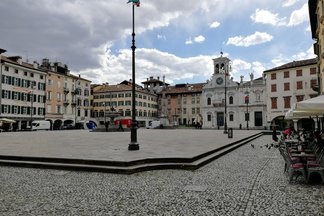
(319, 91)
(0, 86)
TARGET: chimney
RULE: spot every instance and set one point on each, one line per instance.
(158, 78)
(35, 64)
(241, 78)
(163, 81)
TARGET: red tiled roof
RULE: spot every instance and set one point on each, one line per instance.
(118, 88)
(24, 64)
(184, 88)
(294, 64)
(78, 77)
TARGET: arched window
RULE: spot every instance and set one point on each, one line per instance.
(217, 68)
(208, 101)
(231, 100)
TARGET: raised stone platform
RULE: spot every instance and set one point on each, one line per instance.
(108, 152)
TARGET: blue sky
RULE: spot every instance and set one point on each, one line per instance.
(176, 39)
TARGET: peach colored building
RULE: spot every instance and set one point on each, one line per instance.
(180, 103)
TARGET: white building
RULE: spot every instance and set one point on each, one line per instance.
(288, 84)
(23, 93)
(245, 101)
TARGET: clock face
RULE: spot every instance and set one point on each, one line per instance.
(219, 80)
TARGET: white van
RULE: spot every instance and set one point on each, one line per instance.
(154, 124)
(41, 125)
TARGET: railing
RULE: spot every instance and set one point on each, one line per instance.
(66, 90)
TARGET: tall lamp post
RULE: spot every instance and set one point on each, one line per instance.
(31, 105)
(225, 122)
(247, 116)
(133, 143)
(226, 69)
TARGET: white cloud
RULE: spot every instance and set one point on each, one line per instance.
(280, 60)
(267, 17)
(149, 62)
(199, 39)
(76, 33)
(239, 65)
(250, 40)
(299, 16)
(214, 24)
(305, 55)
(258, 69)
(189, 41)
(289, 3)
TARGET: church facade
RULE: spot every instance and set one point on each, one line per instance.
(226, 103)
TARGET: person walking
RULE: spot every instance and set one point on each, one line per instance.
(107, 125)
(120, 127)
(274, 134)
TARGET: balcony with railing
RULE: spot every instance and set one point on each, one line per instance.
(73, 103)
(66, 90)
(66, 102)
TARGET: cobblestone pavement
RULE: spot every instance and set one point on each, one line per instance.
(247, 181)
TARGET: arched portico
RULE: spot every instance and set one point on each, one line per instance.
(58, 124)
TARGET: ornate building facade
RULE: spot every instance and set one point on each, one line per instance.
(226, 103)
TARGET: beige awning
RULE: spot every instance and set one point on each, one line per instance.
(6, 120)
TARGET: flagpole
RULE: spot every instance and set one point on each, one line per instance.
(133, 144)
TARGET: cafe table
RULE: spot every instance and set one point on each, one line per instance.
(303, 156)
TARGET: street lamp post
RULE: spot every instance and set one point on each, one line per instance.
(225, 122)
(76, 104)
(31, 105)
(133, 144)
(105, 110)
(247, 116)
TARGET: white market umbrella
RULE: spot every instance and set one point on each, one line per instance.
(313, 105)
(6, 120)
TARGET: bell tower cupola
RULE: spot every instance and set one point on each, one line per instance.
(221, 64)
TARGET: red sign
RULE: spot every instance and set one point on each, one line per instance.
(246, 99)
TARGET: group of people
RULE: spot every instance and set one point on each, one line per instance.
(301, 135)
(287, 133)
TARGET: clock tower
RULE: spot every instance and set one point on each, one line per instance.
(221, 64)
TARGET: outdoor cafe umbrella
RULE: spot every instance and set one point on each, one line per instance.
(6, 120)
(313, 105)
(297, 114)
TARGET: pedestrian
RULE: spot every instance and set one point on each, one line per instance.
(120, 126)
(274, 134)
(106, 125)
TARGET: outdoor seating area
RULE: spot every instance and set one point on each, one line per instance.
(303, 155)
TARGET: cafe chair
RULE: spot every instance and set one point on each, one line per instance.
(293, 169)
(315, 170)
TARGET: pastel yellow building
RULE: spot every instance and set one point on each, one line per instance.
(119, 98)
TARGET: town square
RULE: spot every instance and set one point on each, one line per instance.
(168, 107)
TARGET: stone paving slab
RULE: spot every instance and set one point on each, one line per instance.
(113, 146)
